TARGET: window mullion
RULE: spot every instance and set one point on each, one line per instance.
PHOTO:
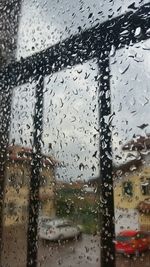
(106, 179)
(32, 237)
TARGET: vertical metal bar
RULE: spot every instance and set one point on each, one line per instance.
(107, 198)
(35, 173)
(9, 18)
(5, 112)
(9, 21)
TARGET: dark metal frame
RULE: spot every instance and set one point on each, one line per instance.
(95, 42)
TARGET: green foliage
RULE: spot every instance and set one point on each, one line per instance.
(78, 206)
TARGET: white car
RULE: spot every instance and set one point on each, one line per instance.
(58, 230)
(43, 220)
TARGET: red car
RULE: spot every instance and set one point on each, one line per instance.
(132, 242)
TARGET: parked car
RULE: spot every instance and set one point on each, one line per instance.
(58, 230)
(132, 242)
(43, 220)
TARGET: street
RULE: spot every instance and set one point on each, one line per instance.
(83, 253)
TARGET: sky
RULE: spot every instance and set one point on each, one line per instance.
(71, 96)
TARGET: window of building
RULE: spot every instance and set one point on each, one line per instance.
(145, 187)
(12, 180)
(43, 180)
(16, 179)
(11, 209)
(128, 189)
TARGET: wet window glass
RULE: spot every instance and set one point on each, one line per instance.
(70, 136)
(130, 107)
(74, 133)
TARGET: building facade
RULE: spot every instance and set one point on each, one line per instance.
(132, 189)
(17, 182)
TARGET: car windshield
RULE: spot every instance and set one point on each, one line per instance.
(46, 226)
(64, 225)
(124, 239)
(57, 223)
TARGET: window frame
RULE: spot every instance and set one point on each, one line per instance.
(95, 42)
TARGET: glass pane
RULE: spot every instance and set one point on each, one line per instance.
(131, 138)
(69, 176)
(17, 177)
(45, 23)
(70, 138)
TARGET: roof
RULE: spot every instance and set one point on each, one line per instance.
(129, 166)
(144, 206)
(21, 154)
(138, 143)
(94, 181)
(128, 233)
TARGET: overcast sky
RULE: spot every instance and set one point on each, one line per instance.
(71, 96)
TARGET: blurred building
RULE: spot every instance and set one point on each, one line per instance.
(132, 187)
(17, 181)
